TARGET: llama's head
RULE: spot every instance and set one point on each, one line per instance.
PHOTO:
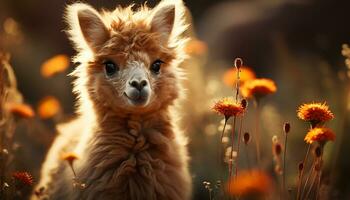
(129, 57)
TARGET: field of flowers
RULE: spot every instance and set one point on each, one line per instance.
(262, 123)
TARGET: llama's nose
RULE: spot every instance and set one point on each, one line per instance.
(138, 84)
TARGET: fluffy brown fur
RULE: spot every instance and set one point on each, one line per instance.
(127, 150)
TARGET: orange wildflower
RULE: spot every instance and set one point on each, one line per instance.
(315, 113)
(196, 47)
(258, 88)
(23, 177)
(20, 109)
(321, 135)
(70, 157)
(54, 65)
(253, 183)
(48, 107)
(228, 107)
(245, 74)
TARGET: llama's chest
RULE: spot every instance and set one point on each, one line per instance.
(128, 165)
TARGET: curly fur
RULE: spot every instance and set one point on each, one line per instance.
(125, 151)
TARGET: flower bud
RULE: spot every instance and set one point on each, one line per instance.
(246, 138)
(317, 151)
(244, 103)
(274, 139)
(277, 149)
(238, 63)
(301, 166)
(286, 127)
(318, 166)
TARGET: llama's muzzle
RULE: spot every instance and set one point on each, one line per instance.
(137, 88)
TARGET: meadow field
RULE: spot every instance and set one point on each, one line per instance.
(267, 104)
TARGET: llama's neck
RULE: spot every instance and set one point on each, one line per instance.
(128, 140)
(131, 132)
(109, 122)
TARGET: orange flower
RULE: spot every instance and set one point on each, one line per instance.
(23, 177)
(196, 47)
(228, 107)
(70, 157)
(258, 88)
(321, 135)
(253, 183)
(20, 109)
(54, 65)
(315, 113)
(48, 107)
(245, 74)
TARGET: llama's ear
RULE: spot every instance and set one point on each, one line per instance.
(87, 29)
(168, 18)
(163, 20)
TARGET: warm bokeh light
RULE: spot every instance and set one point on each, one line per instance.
(48, 107)
(57, 109)
(245, 74)
(258, 88)
(252, 183)
(196, 47)
(20, 109)
(11, 26)
(54, 65)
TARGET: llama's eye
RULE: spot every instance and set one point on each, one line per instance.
(155, 67)
(110, 68)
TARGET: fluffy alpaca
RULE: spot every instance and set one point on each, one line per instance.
(127, 84)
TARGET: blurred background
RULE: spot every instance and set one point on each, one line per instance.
(297, 43)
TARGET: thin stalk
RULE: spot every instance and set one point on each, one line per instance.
(237, 85)
(312, 185)
(2, 165)
(320, 174)
(318, 185)
(232, 145)
(6, 142)
(2, 132)
(247, 156)
(220, 142)
(234, 123)
(72, 168)
(308, 178)
(284, 163)
(239, 143)
(299, 182)
(220, 157)
(257, 134)
(302, 171)
(2, 158)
